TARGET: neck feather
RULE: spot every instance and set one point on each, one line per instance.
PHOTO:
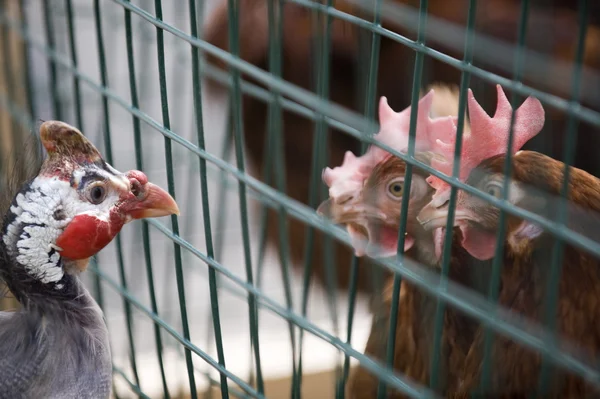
(31, 264)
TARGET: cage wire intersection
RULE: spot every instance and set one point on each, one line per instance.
(130, 75)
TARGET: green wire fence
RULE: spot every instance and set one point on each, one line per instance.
(202, 303)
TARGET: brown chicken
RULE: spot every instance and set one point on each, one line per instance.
(368, 203)
(552, 31)
(535, 185)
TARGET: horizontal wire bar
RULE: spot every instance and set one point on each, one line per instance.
(306, 97)
(446, 33)
(179, 337)
(468, 301)
(465, 300)
(559, 230)
(406, 387)
(420, 278)
(135, 388)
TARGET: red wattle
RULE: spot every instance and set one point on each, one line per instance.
(85, 236)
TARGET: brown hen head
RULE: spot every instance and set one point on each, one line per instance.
(481, 166)
(366, 192)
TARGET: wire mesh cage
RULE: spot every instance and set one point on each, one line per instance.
(237, 107)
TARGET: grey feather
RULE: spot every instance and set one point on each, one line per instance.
(60, 353)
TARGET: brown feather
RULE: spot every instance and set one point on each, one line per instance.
(515, 368)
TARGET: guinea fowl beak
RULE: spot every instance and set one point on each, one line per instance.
(156, 203)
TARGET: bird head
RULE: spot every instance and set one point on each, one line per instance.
(372, 214)
(483, 152)
(365, 193)
(75, 205)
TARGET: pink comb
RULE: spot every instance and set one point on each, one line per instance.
(488, 137)
(346, 180)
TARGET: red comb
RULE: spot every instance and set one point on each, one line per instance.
(488, 137)
(345, 180)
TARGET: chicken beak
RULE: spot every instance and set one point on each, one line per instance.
(432, 217)
(157, 203)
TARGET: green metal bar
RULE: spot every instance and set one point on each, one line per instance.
(417, 77)
(226, 147)
(412, 276)
(27, 61)
(174, 221)
(319, 153)
(447, 252)
(109, 159)
(204, 190)
(369, 112)
(350, 127)
(498, 262)
(314, 102)
(73, 52)
(50, 40)
(139, 165)
(236, 107)
(134, 387)
(552, 287)
(394, 10)
(275, 132)
(9, 84)
(399, 383)
(186, 343)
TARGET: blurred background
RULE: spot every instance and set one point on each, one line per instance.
(353, 52)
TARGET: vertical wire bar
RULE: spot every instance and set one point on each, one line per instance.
(73, 51)
(552, 288)
(9, 83)
(498, 262)
(226, 147)
(447, 251)
(369, 112)
(319, 153)
(275, 131)
(109, 159)
(27, 61)
(139, 165)
(197, 90)
(50, 41)
(160, 46)
(417, 77)
(236, 107)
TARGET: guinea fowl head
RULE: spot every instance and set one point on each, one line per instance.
(481, 166)
(365, 193)
(72, 209)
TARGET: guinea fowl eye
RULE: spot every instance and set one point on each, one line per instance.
(136, 187)
(395, 188)
(97, 194)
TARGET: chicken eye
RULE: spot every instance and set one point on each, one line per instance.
(97, 194)
(494, 189)
(395, 188)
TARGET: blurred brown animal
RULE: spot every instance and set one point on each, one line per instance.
(552, 31)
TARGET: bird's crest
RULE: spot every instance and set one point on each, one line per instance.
(66, 147)
(487, 137)
(346, 179)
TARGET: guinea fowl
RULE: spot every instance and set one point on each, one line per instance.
(56, 345)
(534, 185)
(365, 195)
